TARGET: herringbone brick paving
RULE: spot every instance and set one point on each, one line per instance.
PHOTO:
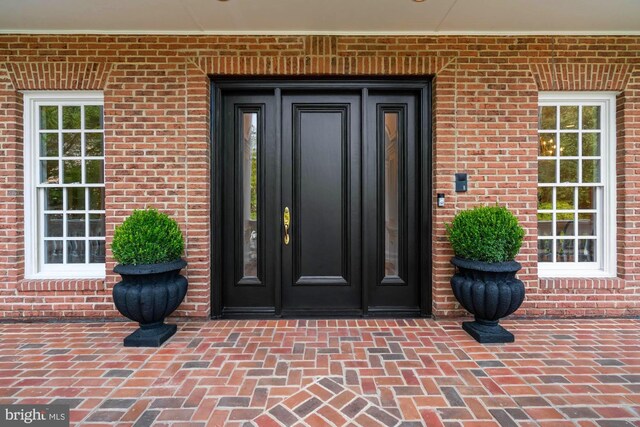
(330, 373)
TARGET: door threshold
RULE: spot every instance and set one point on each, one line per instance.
(302, 314)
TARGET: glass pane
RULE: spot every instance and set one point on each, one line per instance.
(564, 250)
(250, 192)
(545, 195)
(75, 225)
(49, 117)
(591, 117)
(72, 171)
(587, 197)
(71, 145)
(93, 117)
(568, 171)
(49, 171)
(564, 224)
(96, 251)
(586, 250)
(564, 198)
(53, 199)
(71, 117)
(545, 224)
(75, 251)
(391, 191)
(569, 117)
(96, 225)
(96, 199)
(93, 144)
(48, 144)
(547, 171)
(53, 225)
(75, 199)
(590, 144)
(591, 171)
(547, 117)
(545, 248)
(587, 224)
(547, 144)
(568, 144)
(53, 252)
(95, 172)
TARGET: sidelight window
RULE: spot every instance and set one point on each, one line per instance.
(64, 185)
(250, 200)
(576, 184)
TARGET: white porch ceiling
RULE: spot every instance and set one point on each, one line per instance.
(321, 16)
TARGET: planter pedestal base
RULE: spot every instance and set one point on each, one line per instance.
(487, 332)
(150, 335)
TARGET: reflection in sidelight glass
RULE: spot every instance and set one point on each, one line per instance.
(250, 192)
(391, 191)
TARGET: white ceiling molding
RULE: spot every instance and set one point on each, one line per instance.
(334, 17)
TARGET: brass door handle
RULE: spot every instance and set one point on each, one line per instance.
(286, 220)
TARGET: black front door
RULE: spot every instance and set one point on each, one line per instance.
(320, 198)
(321, 146)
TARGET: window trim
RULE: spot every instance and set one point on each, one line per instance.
(606, 267)
(32, 100)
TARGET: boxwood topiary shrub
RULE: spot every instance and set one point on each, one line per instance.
(147, 237)
(485, 233)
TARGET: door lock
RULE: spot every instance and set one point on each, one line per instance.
(286, 220)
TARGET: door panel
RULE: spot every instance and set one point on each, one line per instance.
(321, 184)
(320, 160)
(248, 262)
(392, 226)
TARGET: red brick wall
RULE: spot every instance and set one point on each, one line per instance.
(157, 142)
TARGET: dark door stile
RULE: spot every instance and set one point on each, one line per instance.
(351, 161)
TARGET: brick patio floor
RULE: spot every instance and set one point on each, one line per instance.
(330, 372)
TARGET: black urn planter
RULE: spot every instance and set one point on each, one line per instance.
(489, 291)
(147, 294)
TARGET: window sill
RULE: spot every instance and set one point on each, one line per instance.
(77, 275)
(62, 285)
(574, 274)
(546, 282)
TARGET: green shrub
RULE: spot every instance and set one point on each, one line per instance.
(147, 237)
(485, 233)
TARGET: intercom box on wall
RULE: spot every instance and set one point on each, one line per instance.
(461, 182)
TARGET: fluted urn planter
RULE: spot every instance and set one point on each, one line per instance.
(148, 294)
(489, 291)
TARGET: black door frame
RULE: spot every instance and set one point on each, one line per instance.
(420, 86)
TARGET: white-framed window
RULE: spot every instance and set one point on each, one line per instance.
(576, 184)
(64, 184)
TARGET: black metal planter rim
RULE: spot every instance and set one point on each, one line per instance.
(142, 269)
(489, 267)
